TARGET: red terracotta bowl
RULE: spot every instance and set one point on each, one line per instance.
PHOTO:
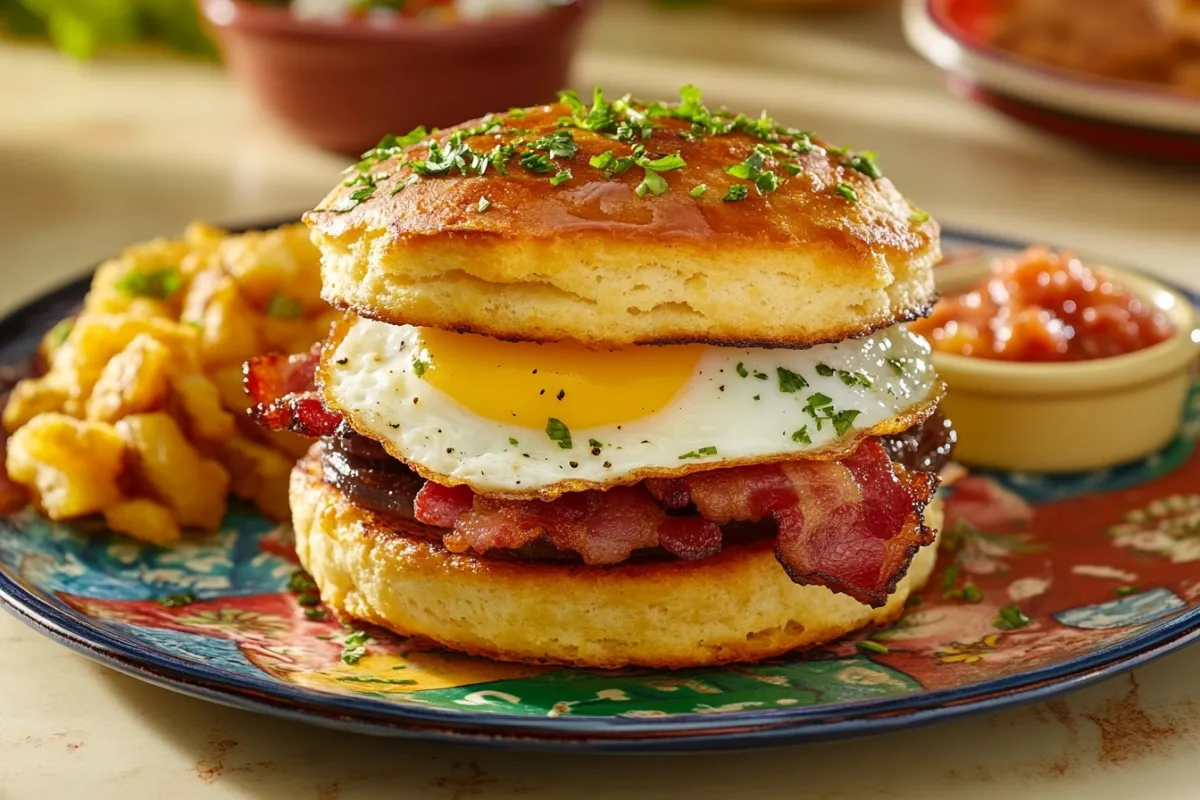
(343, 85)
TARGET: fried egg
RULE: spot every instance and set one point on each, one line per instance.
(521, 419)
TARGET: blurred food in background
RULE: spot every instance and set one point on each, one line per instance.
(82, 27)
(343, 74)
(1141, 40)
(1117, 75)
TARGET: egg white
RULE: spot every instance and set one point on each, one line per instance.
(717, 416)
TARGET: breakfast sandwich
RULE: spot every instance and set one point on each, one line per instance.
(617, 383)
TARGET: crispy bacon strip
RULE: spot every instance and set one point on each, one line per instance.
(851, 525)
(283, 390)
(603, 527)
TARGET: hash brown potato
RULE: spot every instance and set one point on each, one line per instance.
(138, 411)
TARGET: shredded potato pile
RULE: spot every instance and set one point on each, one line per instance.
(140, 412)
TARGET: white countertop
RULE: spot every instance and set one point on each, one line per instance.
(97, 156)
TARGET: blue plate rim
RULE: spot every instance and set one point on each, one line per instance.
(676, 733)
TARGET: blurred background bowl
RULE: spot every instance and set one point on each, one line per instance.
(343, 84)
(1127, 116)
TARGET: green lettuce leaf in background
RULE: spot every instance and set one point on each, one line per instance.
(82, 27)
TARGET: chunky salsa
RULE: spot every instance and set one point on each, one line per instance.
(1044, 306)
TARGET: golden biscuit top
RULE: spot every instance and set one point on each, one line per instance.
(624, 169)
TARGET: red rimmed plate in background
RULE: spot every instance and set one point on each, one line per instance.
(1125, 116)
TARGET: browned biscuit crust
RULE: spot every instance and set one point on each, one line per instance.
(591, 260)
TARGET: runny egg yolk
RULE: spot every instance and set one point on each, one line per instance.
(527, 383)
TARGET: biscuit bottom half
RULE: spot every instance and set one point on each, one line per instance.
(737, 606)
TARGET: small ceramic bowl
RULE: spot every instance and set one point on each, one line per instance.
(1127, 117)
(343, 85)
(1068, 417)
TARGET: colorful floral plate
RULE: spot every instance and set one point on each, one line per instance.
(1104, 566)
(1124, 116)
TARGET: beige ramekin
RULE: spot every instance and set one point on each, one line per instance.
(1075, 416)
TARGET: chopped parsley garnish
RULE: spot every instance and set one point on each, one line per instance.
(364, 185)
(622, 164)
(741, 370)
(919, 216)
(300, 581)
(558, 432)
(1125, 591)
(847, 191)
(698, 190)
(664, 164)
(536, 162)
(560, 144)
(844, 420)
(375, 679)
(316, 614)
(601, 117)
(483, 205)
(854, 378)
(456, 155)
(61, 330)
(737, 191)
(389, 146)
(896, 364)
(868, 646)
(602, 160)
(354, 647)
(177, 600)
(766, 183)
(789, 381)
(513, 441)
(802, 436)
(516, 113)
(1010, 618)
(711, 450)
(400, 187)
(653, 183)
(362, 193)
(819, 407)
(818, 400)
(160, 283)
(281, 306)
(968, 593)
(824, 370)
(949, 577)
(752, 167)
(419, 367)
(561, 177)
(592, 443)
(762, 376)
(864, 162)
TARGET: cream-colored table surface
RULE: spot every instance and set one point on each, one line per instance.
(94, 157)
